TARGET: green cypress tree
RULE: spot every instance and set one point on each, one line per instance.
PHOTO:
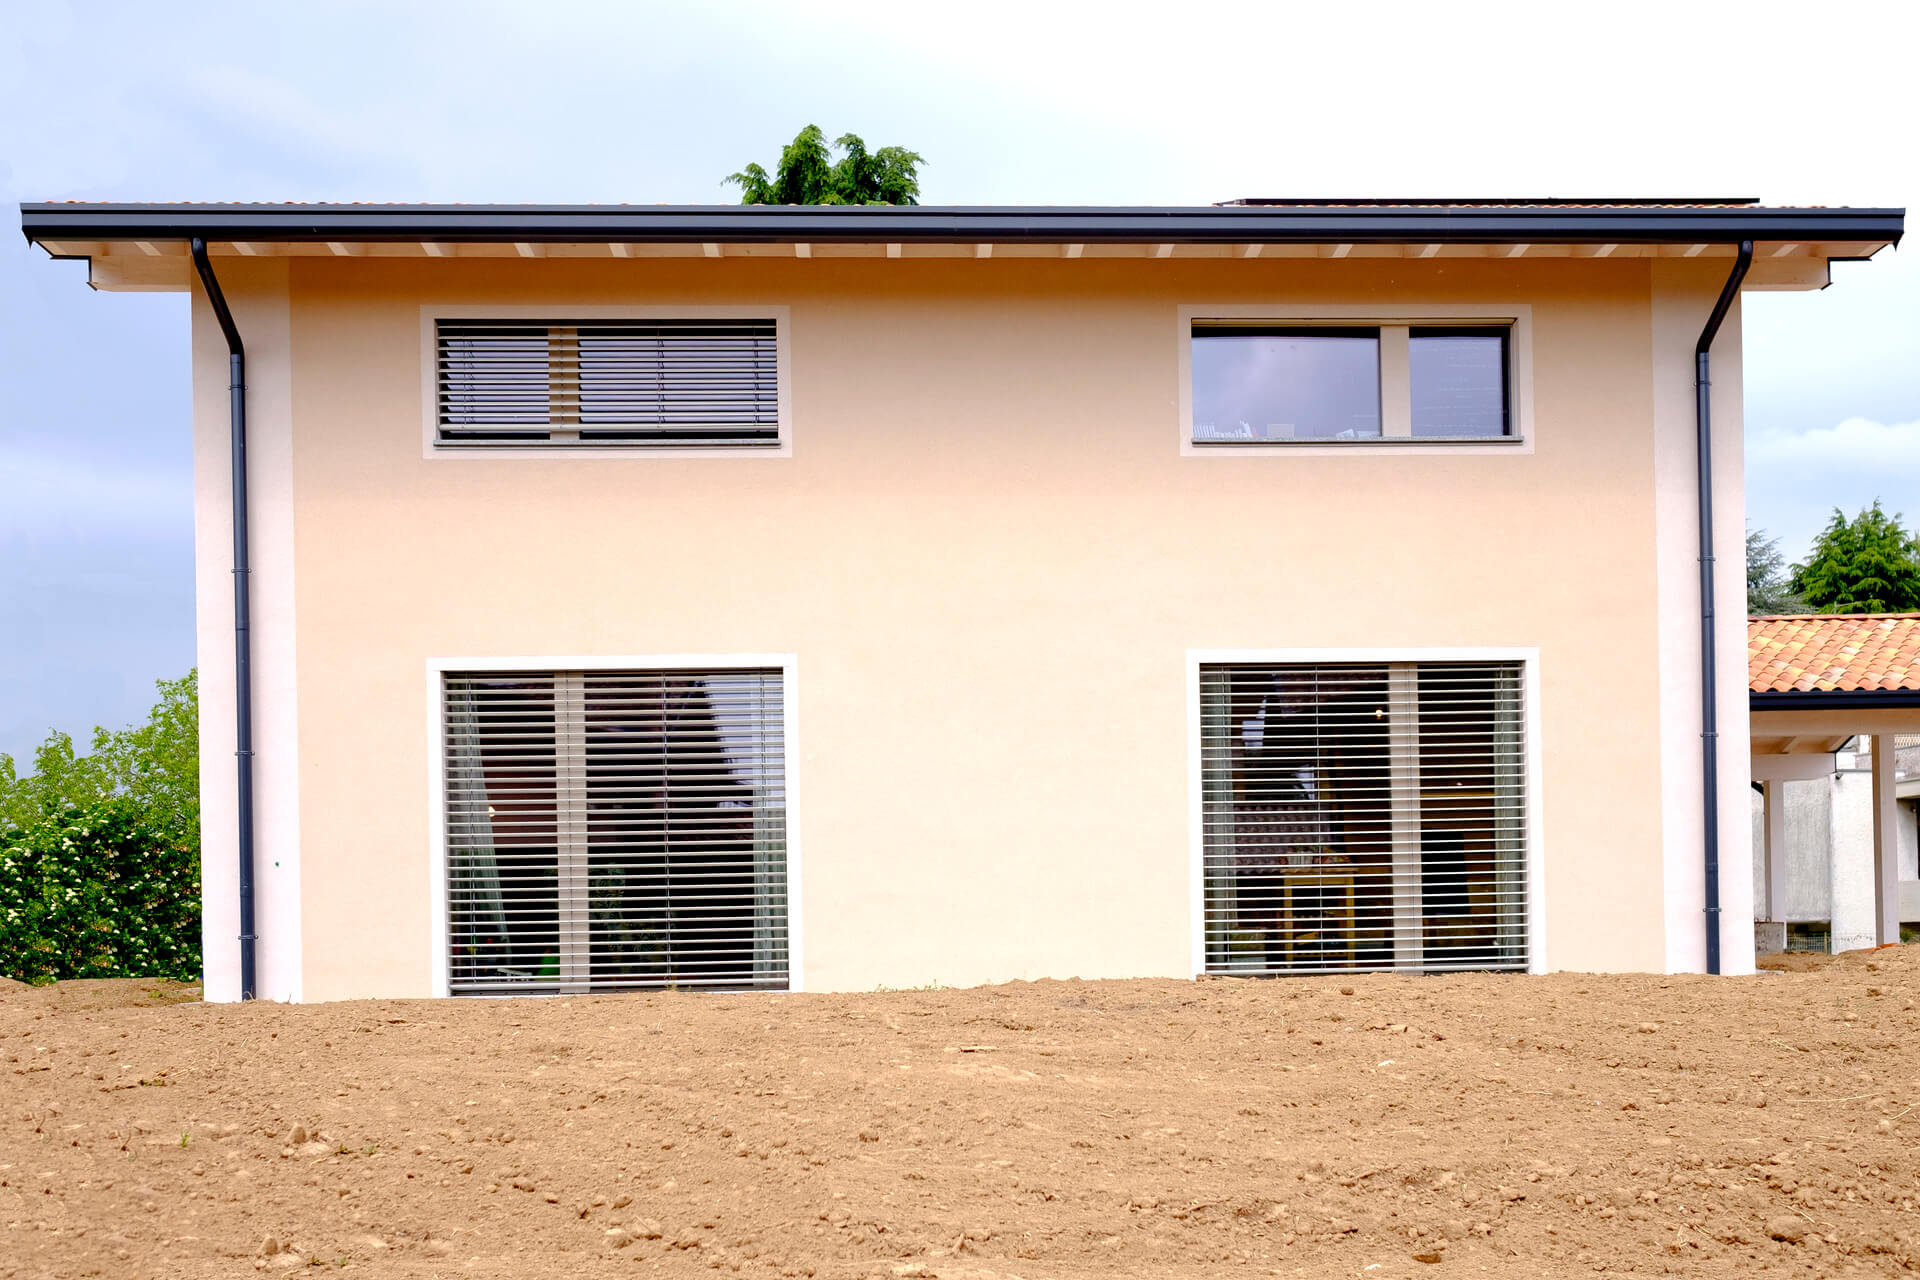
(1767, 591)
(1869, 564)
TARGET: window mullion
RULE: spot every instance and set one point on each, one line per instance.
(570, 758)
(1403, 754)
(563, 384)
(1396, 382)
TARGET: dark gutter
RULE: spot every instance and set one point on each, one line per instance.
(1834, 700)
(1709, 696)
(1235, 224)
(1404, 202)
(242, 606)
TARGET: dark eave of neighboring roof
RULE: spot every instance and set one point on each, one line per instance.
(1833, 700)
(1234, 224)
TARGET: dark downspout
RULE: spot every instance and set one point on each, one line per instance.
(1709, 708)
(242, 607)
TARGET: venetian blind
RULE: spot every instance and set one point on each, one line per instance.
(615, 829)
(1363, 817)
(614, 383)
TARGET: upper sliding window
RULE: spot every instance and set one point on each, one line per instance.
(1261, 383)
(657, 383)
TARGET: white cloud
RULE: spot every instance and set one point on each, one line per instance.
(1796, 479)
(1855, 442)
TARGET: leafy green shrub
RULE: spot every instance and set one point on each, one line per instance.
(100, 852)
(156, 764)
(96, 891)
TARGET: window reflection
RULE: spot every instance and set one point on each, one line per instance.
(1459, 379)
(1259, 383)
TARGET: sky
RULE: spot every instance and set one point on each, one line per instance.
(1028, 103)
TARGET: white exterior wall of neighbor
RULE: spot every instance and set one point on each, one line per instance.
(1829, 853)
(1850, 860)
(1808, 824)
(1851, 842)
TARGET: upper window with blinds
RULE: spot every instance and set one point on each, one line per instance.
(611, 830)
(1363, 817)
(618, 384)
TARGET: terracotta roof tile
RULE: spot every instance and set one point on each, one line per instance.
(1833, 652)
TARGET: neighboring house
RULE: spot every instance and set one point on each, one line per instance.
(835, 597)
(1834, 821)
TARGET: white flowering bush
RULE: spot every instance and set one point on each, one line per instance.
(97, 891)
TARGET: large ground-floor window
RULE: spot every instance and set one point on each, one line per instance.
(615, 829)
(1363, 816)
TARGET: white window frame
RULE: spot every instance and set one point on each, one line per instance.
(437, 668)
(1518, 315)
(1529, 660)
(431, 313)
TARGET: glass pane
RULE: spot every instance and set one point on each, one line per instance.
(502, 833)
(493, 376)
(685, 829)
(1459, 382)
(1277, 384)
(1472, 891)
(1295, 817)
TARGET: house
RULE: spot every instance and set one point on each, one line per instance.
(823, 598)
(1832, 695)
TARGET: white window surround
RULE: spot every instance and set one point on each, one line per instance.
(430, 391)
(1529, 660)
(786, 663)
(1517, 314)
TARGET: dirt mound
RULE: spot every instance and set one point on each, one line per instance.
(1814, 961)
(1374, 1127)
(99, 993)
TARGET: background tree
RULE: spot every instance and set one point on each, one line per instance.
(1767, 590)
(1869, 564)
(100, 853)
(156, 765)
(808, 174)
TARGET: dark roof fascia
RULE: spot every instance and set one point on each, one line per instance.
(928, 224)
(1834, 700)
(1587, 202)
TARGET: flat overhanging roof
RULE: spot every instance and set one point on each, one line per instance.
(144, 246)
(1475, 223)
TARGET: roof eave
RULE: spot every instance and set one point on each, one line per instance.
(923, 224)
(1832, 699)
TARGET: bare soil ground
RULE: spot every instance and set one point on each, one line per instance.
(1372, 1127)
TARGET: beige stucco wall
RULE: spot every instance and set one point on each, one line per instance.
(990, 561)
